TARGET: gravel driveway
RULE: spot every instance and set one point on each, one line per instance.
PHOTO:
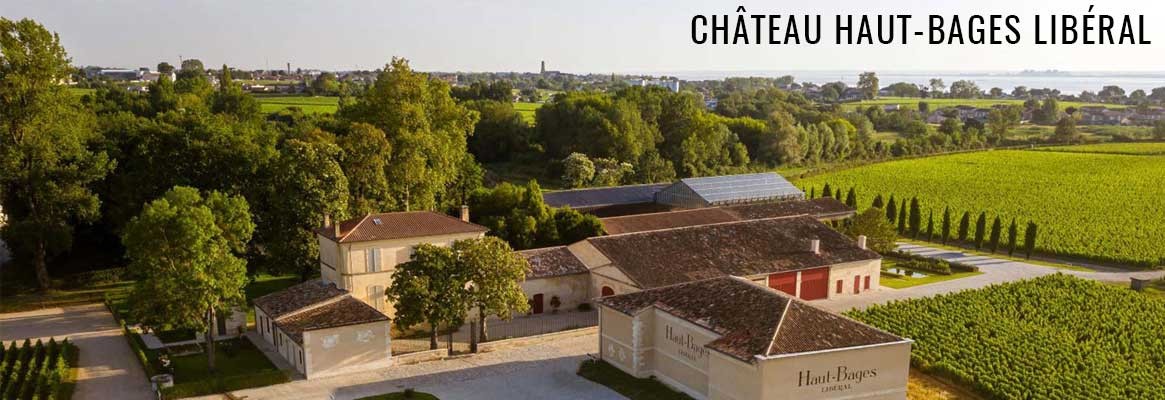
(108, 368)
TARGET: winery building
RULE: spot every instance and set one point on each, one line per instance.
(727, 338)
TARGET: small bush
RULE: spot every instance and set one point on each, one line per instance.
(584, 306)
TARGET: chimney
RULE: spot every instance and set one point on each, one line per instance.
(862, 241)
(815, 246)
(465, 213)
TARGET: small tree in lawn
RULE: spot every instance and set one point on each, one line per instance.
(902, 219)
(980, 230)
(813, 192)
(837, 194)
(930, 226)
(964, 226)
(495, 272)
(1029, 239)
(827, 191)
(430, 289)
(880, 234)
(851, 198)
(878, 202)
(996, 231)
(892, 211)
(184, 247)
(946, 227)
(915, 218)
(1012, 232)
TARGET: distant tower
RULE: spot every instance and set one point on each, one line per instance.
(289, 68)
(543, 67)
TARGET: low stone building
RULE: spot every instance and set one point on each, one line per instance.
(725, 338)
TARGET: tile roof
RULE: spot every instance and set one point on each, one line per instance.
(822, 208)
(604, 196)
(552, 261)
(343, 312)
(297, 297)
(752, 320)
(399, 225)
(744, 248)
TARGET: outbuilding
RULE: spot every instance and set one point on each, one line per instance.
(726, 338)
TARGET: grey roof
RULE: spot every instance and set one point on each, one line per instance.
(741, 188)
(605, 196)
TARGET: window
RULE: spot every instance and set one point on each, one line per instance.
(607, 291)
(840, 283)
(867, 284)
(373, 260)
(376, 296)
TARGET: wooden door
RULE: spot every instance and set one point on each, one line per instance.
(536, 304)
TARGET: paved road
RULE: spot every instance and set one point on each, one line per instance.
(108, 368)
(995, 270)
(540, 371)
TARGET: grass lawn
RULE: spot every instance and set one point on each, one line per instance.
(904, 282)
(309, 104)
(242, 358)
(911, 103)
(634, 388)
(1136, 149)
(414, 395)
(81, 91)
(527, 110)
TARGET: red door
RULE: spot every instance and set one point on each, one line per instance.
(866, 286)
(815, 284)
(536, 304)
(786, 282)
(839, 284)
(857, 284)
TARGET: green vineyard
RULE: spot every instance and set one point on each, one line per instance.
(1054, 337)
(35, 371)
(1103, 207)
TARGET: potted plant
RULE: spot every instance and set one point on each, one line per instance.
(555, 302)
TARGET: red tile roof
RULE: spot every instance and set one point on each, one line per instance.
(552, 261)
(752, 320)
(821, 208)
(296, 297)
(343, 312)
(399, 225)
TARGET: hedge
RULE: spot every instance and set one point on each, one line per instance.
(953, 266)
(36, 371)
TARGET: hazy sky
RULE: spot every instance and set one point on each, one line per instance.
(572, 36)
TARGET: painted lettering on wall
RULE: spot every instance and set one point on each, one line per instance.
(835, 380)
(688, 347)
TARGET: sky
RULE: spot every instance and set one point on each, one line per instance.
(601, 36)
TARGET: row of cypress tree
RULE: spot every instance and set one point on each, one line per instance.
(907, 216)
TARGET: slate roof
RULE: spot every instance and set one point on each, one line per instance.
(298, 296)
(752, 320)
(671, 256)
(604, 196)
(343, 312)
(821, 208)
(552, 261)
(399, 225)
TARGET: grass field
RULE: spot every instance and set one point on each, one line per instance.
(527, 110)
(1102, 207)
(1136, 149)
(81, 91)
(905, 282)
(911, 103)
(309, 104)
(1053, 337)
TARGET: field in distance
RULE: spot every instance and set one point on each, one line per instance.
(1090, 205)
(1054, 337)
(911, 103)
(309, 104)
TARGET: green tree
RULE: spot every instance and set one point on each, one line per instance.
(184, 250)
(430, 289)
(47, 163)
(996, 232)
(880, 234)
(495, 272)
(946, 225)
(425, 127)
(165, 68)
(502, 134)
(902, 227)
(577, 170)
(892, 211)
(827, 191)
(163, 98)
(366, 154)
(230, 99)
(868, 84)
(930, 226)
(1159, 130)
(325, 84)
(851, 198)
(965, 89)
(964, 226)
(1000, 121)
(878, 202)
(915, 218)
(1029, 239)
(1066, 131)
(980, 230)
(1012, 233)
(307, 184)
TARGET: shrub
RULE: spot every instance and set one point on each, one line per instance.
(584, 306)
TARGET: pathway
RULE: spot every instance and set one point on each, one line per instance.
(995, 270)
(108, 369)
(541, 371)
